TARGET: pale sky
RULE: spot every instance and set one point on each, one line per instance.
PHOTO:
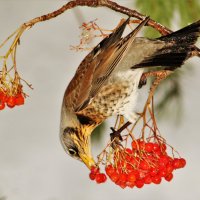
(33, 165)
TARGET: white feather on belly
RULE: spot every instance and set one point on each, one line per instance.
(132, 78)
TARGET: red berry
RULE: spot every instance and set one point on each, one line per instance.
(147, 179)
(176, 163)
(129, 168)
(139, 183)
(3, 97)
(133, 161)
(153, 171)
(144, 165)
(140, 174)
(127, 158)
(11, 102)
(104, 178)
(182, 162)
(128, 151)
(141, 145)
(19, 99)
(114, 177)
(2, 104)
(169, 177)
(149, 147)
(164, 159)
(169, 168)
(100, 178)
(158, 152)
(156, 179)
(131, 177)
(161, 164)
(92, 176)
(130, 184)
(156, 147)
(122, 185)
(94, 170)
(135, 145)
(109, 170)
(122, 178)
(162, 172)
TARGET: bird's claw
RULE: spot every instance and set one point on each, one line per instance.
(116, 138)
(143, 81)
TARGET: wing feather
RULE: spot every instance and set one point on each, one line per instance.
(97, 67)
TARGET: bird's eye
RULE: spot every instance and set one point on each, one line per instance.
(72, 152)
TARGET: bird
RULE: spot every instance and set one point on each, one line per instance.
(107, 81)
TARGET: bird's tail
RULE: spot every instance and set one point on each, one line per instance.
(179, 46)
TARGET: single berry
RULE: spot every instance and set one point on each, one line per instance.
(182, 162)
(149, 147)
(147, 179)
(162, 172)
(131, 177)
(164, 159)
(135, 145)
(139, 183)
(103, 178)
(176, 163)
(92, 176)
(11, 102)
(169, 177)
(156, 147)
(153, 171)
(130, 184)
(109, 170)
(19, 99)
(114, 177)
(122, 178)
(141, 145)
(144, 165)
(156, 179)
(128, 151)
(100, 178)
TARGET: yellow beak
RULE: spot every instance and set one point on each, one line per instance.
(88, 161)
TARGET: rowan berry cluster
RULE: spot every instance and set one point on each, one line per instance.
(10, 100)
(144, 163)
(11, 90)
(97, 176)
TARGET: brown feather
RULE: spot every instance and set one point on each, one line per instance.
(97, 67)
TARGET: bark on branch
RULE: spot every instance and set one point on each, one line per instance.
(99, 3)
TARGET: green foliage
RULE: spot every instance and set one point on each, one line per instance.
(163, 11)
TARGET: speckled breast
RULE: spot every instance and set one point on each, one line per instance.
(117, 97)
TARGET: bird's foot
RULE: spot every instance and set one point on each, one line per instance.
(115, 134)
(115, 137)
(143, 81)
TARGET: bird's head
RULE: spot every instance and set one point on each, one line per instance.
(75, 138)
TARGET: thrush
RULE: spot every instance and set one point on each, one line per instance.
(106, 82)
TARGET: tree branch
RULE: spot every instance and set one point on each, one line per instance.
(99, 3)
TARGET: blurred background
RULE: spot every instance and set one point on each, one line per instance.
(33, 164)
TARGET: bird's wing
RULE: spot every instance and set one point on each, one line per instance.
(97, 67)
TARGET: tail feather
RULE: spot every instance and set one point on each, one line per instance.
(179, 46)
(188, 34)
